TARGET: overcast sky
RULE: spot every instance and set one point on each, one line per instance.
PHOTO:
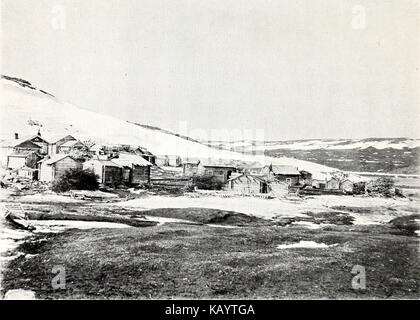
(297, 69)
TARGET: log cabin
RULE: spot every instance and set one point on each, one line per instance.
(221, 172)
(54, 167)
(283, 173)
(245, 184)
(108, 172)
(135, 169)
(332, 184)
(347, 186)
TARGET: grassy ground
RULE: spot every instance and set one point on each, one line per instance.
(188, 261)
(101, 212)
(207, 216)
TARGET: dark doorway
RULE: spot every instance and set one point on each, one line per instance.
(263, 187)
(229, 173)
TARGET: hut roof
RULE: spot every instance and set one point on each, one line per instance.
(72, 143)
(285, 170)
(106, 163)
(56, 158)
(27, 143)
(248, 177)
(128, 159)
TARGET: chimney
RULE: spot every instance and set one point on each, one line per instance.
(39, 132)
(16, 136)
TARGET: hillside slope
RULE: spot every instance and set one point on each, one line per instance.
(25, 109)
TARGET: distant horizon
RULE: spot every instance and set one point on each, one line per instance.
(324, 139)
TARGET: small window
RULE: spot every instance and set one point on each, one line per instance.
(289, 180)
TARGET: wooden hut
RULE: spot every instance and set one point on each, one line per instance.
(135, 169)
(246, 184)
(108, 172)
(221, 172)
(54, 167)
(347, 186)
(283, 173)
(332, 184)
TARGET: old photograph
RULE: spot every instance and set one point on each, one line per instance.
(209, 150)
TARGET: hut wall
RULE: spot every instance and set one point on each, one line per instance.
(15, 162)
(243, 185)
(290, 179)
(140, 174)
(332, 184)
(46, 172)
(64, 165)
(111, 175)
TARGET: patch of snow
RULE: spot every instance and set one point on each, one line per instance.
(19, 294)
(96, 193)
(307, 224)
(222, 226)
(305, 244)
(46, 197)
(162, 220)
(363, 220)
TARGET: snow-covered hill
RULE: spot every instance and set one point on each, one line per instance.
(25, 109)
